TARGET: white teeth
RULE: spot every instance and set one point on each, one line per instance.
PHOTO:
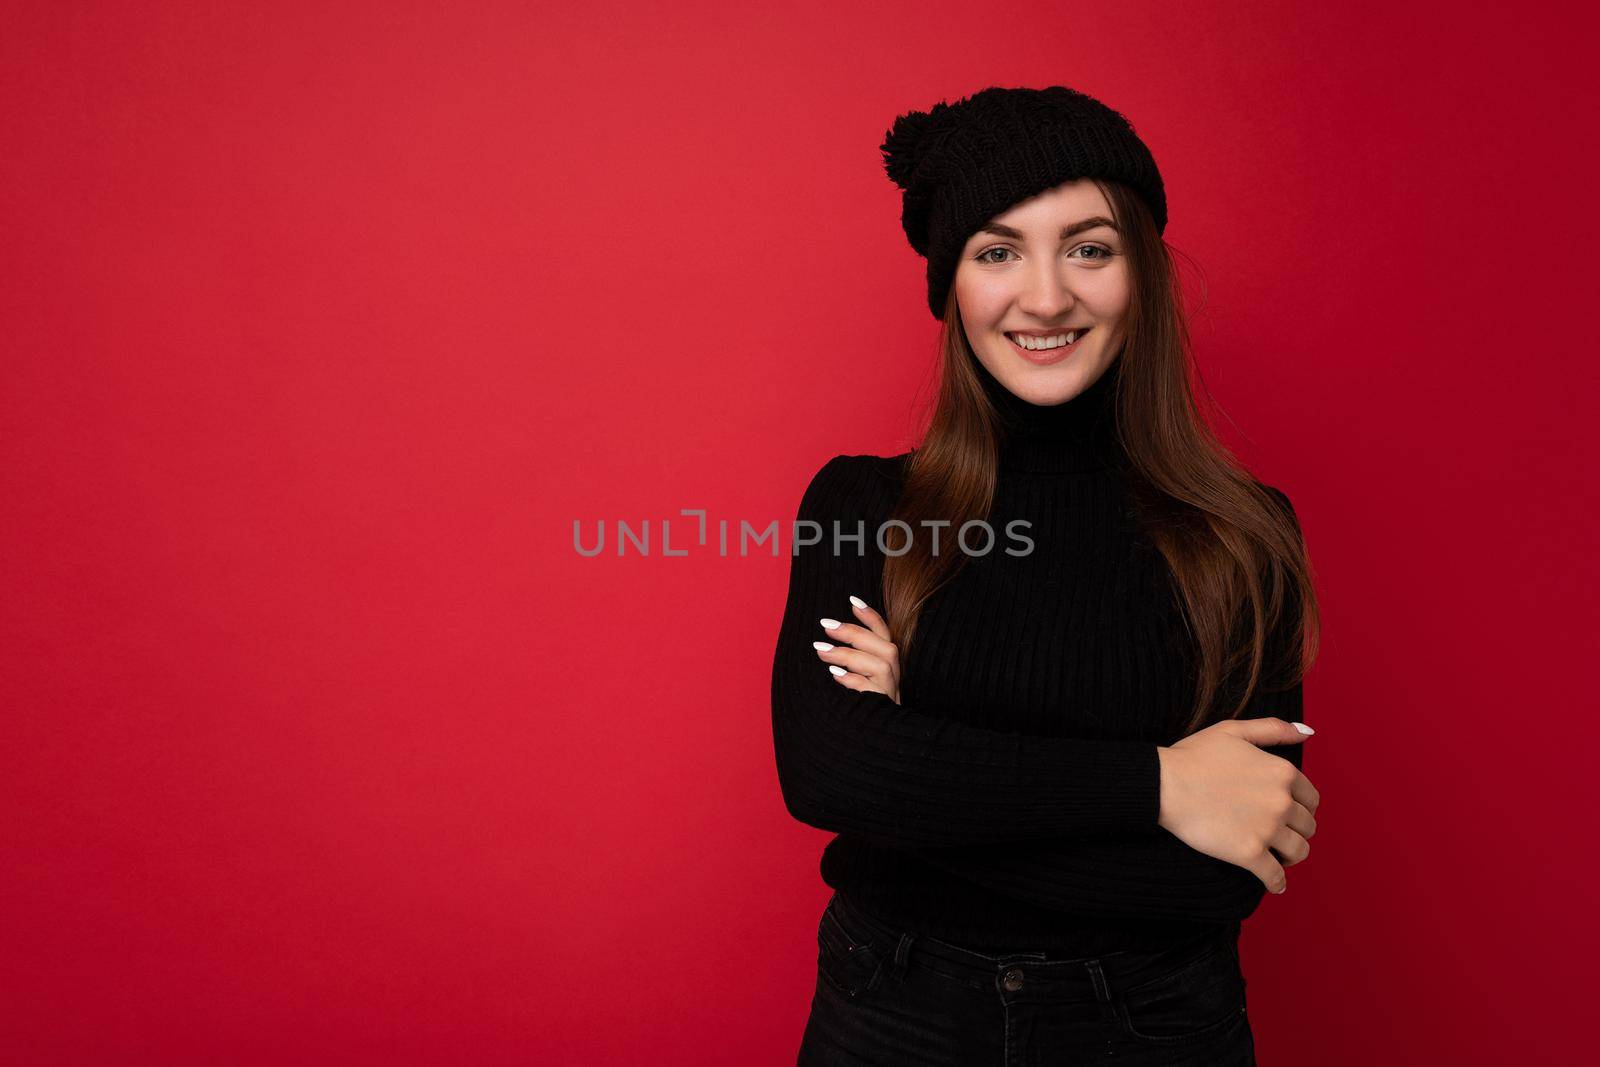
(1037, 344)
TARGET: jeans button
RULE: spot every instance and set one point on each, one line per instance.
(1012, 980)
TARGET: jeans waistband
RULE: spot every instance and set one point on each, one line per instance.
(1086, 978)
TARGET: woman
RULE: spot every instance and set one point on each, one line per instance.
(1040, 674)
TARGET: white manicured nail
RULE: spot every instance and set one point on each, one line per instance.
(830, 624)
(822, 646)
(1303, 728)
(858, 602)
(837, 670)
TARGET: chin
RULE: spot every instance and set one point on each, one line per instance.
(1047, 386)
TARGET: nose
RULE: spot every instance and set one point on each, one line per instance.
(1045, 295)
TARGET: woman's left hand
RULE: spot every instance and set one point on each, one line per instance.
(862, 657)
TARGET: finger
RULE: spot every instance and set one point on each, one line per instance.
(1305, 793)
(864, 639)
(873, 621)
(1301, 821)
(854, 681)
(1270, 871)
(1268, 731)
(1289, 846)
(856, 662)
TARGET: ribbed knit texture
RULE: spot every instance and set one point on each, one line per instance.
(1009, 801)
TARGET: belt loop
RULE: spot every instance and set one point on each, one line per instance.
(902, 954)
(1102, 991)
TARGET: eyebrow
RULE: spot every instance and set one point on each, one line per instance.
(1002, 230)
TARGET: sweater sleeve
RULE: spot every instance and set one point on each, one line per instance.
(1156, 874)
(857, 762)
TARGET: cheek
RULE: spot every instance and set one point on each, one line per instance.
(981, 298)
(1107, 294)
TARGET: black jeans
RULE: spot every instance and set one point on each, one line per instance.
(886, 996)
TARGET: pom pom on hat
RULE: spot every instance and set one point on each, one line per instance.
(905, 144)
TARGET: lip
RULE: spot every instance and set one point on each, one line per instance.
(1049, 356)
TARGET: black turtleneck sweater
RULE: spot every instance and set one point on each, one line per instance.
(1009, 801)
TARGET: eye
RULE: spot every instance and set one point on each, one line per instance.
(1105, 253)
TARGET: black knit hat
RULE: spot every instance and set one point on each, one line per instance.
(962, 164)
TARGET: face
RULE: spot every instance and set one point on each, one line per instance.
(1038, 270)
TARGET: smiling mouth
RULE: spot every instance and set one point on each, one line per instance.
(1065, 339)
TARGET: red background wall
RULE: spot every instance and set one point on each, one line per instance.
(322, 324)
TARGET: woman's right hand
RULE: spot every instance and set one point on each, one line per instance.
(1223, 796)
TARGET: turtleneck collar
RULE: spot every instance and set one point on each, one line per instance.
(1076, 436)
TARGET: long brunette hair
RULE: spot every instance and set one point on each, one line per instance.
(1227, 539)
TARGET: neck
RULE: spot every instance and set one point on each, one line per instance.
(1076, 436)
